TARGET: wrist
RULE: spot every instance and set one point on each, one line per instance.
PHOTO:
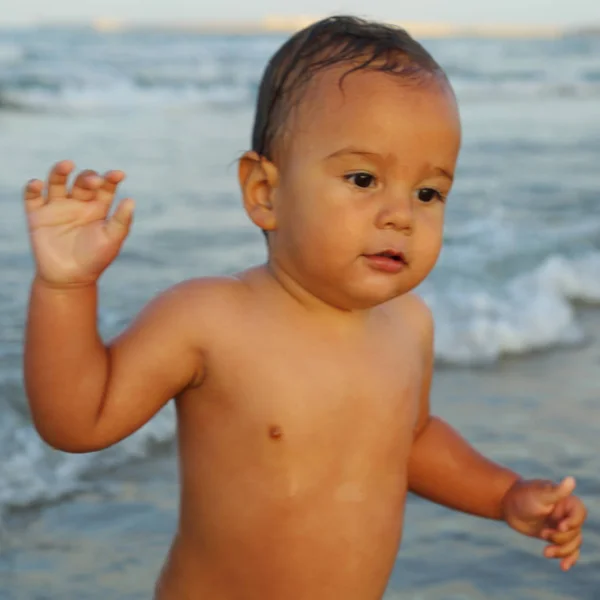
(62, 286)
(505, 504)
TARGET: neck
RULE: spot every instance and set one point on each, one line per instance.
(310, 301)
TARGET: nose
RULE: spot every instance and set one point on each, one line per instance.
(396, 212)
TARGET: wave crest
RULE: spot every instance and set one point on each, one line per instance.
(533, 312)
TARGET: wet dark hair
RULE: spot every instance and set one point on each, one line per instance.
(336, 40)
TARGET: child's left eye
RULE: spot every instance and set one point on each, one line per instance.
(429, 194)
(361, 180)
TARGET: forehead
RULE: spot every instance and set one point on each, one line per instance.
(378, 110)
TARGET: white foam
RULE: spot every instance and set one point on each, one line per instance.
(533, 312)
(32, 473)
(576, 279)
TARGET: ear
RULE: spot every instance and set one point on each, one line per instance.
(258, 179)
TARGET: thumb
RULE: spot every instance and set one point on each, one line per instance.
(117, 226)
(558, 492)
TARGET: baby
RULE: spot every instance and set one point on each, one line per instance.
(302, 385)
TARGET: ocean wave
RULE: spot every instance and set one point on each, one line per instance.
(468, 90)
(123, 96)
(533, 312)
(32, 473)
(177, 86)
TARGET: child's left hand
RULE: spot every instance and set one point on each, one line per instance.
(548, 511)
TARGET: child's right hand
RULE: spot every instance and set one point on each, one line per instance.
(73, 238)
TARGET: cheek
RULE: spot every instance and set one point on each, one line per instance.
(341, 227)
(430, 240)
(320, 213)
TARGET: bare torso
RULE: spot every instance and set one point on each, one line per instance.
(293, 457)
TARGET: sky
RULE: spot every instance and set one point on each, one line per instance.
(531, 12)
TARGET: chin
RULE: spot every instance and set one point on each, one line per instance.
(385, 289)
(363, 293)
(371, 296)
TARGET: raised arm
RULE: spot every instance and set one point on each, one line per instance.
(85, 395)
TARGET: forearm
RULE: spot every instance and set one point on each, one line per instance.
(66, 364)
(445, 469)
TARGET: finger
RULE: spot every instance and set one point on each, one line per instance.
(555, 493)
(33, 195)
(559, 512)
(86, 186)
(575, 517)
(568, 563)
(117, 226)
(106, 193)
(565, 550)
(560, 538)
(57, 180)
(560, 518)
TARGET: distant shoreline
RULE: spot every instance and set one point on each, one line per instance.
(288, 25)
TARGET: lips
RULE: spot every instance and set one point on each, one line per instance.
(388, 261)
(392, 254)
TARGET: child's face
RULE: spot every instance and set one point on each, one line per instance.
(364, 171)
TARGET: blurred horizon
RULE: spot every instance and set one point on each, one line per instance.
(579, 13)
(288, 23)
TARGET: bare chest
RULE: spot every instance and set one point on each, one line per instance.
(315, 395)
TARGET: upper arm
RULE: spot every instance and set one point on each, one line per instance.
(157, 357)
(422, 319)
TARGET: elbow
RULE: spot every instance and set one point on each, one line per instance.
(70, 447)
(69, 442)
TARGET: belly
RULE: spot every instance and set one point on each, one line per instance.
(341, 543)
(258, 535)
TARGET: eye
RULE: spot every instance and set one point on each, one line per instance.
(429, 194)
(362, 180)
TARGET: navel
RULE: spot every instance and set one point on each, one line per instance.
(275, 432)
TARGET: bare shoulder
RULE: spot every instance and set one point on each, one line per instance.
(417, 314)
(188, 310)
(194, 296)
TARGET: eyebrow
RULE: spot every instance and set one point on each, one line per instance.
(367, 153)
(444, 173)
(353, 150)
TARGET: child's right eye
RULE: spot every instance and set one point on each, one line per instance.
(361, 180)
